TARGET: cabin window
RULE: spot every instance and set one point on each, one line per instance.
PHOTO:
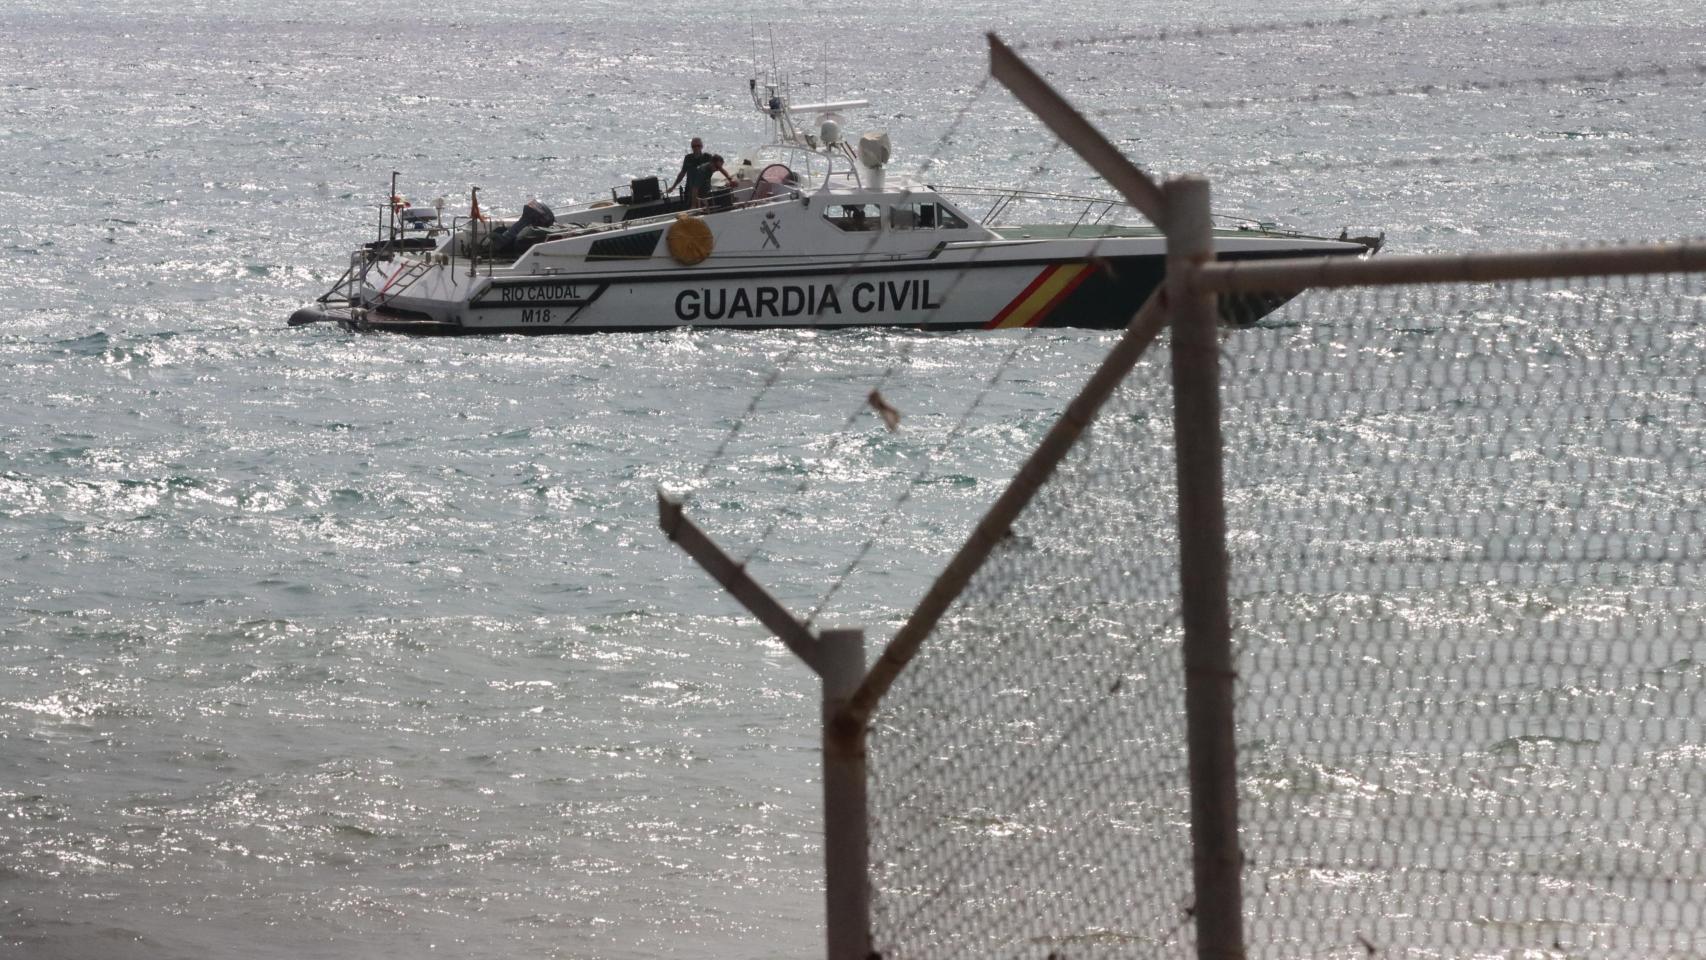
(854, 217)
(924, 216)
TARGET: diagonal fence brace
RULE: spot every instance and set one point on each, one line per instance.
(1075, 131)
(733, 577)
(838, 658)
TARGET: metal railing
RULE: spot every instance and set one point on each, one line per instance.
(1086, 211)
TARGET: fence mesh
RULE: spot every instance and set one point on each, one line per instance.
(1028, 785)
(1467, 527)
(1468, 530)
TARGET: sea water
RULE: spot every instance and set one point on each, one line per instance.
(315, 644)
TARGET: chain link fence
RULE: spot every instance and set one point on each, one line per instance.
(1467, 525)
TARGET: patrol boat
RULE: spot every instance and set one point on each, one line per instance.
(811, 232)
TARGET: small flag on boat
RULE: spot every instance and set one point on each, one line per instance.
(891, 416)
(474, 205)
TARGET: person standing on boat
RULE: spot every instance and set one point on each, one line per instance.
(690, 163)
(699, 179)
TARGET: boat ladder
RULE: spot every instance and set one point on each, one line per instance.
(403, 279)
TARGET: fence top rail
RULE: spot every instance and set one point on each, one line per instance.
(1294, 274)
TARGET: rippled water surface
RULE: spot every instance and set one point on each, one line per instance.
(322, 644)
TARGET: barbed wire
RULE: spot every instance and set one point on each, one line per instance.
(787, 357)
(1267, 168)
(1203, 32)
(865, 404)
(954, 126)
(906, 492)
(953, 434)
(1695, 70)
(1037, 170)
(917, 479)
(740, 421)
(853, 416)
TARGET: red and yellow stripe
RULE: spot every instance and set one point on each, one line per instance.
(1036, 301)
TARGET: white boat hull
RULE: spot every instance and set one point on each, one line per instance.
(991, 293)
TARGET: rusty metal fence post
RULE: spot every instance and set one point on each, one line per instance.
(846, 819)
(1217, 864)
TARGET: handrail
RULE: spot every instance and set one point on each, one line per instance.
(1080, 221)
(789, 194)
(341, 283)
(455, 231)
(1007, 196)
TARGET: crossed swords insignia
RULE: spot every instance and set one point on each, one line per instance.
(769, 226)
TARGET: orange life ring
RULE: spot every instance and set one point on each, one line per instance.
(689, 239)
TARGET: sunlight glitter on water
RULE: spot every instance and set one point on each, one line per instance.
(384, 650)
